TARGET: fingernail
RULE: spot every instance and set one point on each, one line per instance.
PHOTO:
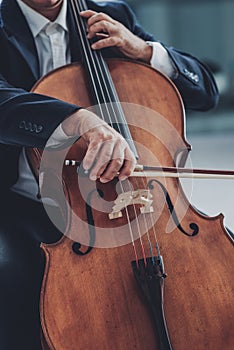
(103, 180)
(123, 177)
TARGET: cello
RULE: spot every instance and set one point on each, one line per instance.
(138, 267)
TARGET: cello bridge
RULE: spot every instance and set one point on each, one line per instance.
(143, 197)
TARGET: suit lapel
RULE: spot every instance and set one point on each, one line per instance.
(20, 35)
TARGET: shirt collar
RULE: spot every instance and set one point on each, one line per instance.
(37, 22)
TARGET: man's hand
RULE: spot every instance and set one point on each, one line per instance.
(108, 153)
(112, 33)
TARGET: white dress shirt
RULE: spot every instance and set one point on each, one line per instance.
(51, 39)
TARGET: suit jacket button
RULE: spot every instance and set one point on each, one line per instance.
(22, 124)
(38, 128)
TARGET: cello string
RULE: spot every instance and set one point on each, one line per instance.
(138, 227)
(102, 68)
(109, 96)
(84, 48)
(120, 112)
(130, 227)
(75, 11)
(90, 56)
(153, 228)
(148, 226)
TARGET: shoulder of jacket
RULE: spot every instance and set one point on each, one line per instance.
(109, 3)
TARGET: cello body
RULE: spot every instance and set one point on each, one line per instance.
(91, 300)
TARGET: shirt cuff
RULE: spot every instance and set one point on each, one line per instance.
(58, 138)
(161, 61)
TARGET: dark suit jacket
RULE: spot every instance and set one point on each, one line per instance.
(19, 70)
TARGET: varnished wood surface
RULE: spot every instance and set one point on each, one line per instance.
(92, 301)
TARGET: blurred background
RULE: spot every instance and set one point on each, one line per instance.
(204, 28)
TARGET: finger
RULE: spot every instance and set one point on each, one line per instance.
(87, 13)
(91, 154)
(99, 27)
(102, 35)
(103, 159)
(105, 42)
(115, 163)
(111, 170)
(94, 17)
(128, 166)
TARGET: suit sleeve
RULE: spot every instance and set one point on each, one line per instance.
(194, 81)
(28, 119)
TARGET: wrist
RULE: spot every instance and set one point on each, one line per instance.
(140, 51)
(81, 122)
(70, 124)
